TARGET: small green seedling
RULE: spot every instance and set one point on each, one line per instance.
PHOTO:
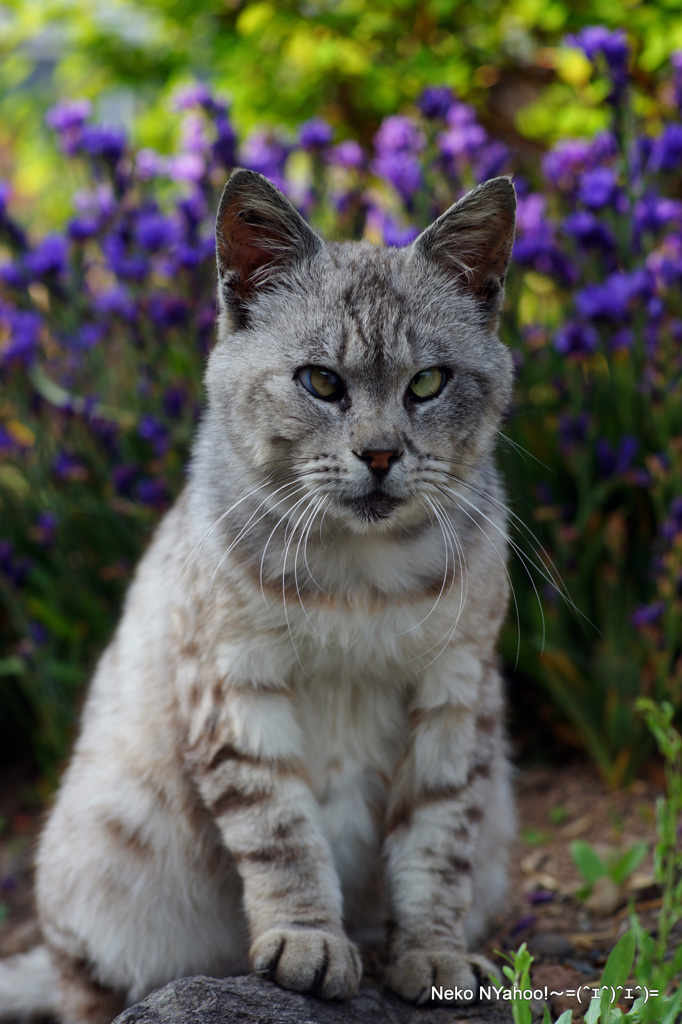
(617, 867)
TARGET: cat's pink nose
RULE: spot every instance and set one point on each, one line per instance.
(379, 462)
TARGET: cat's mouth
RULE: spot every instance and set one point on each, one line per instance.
(373, 506)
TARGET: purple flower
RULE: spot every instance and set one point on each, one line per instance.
(573, 430)
(50, 257)
(105, 143)
(153, 231)
(14, 275)
(614, 299)
(666, 154)
(225, 145)
(597, 188)
(195, 95)
(199, 95)
(149, 164)
(436, 101)
(186, 167)
(576, 339)
(129, 267)
(522, 924)
(167, 310)
(81, 228)
(563, 164)
(193, 209)
(613, 461)
(173, 401)
(88, 336)
(623, 338)
(14, 569)
(589, 231)
(398, 134)
(402, 170)
(264, 153)
(315, 134)
(491, 160)
(8, 445)
(462, 141)
(116, 300)
(647, 615)
(652, 212)
(67, 467)
(540, 896)
(46, 528)
(124, 478)
(23, 341)
(38, 633)
(65, 116)
(151, 492)
(156, 433)
(596, 40)
(194, 135)
(347, 154)
(393, 234)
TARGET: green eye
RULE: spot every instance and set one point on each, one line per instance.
(427, 383)
(320, 382)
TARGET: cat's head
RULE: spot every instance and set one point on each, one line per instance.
(362, 374)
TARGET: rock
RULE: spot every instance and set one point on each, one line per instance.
(250, 1000)
(606, 897)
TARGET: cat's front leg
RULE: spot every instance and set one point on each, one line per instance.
(454, 761)
(244, 749)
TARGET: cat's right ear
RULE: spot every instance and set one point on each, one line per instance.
(259, 236)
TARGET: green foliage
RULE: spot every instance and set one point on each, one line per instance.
(637, 953)
(517, 971)
(351, 60)
(618, 867)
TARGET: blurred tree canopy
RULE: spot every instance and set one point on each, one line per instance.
(281, 61)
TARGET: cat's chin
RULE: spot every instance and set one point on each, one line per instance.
(377, 513)
(374, 507)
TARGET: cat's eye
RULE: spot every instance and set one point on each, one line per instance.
(427, 383)
(322, 383)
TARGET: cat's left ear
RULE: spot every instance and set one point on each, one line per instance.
(259, 236)
(472, 241)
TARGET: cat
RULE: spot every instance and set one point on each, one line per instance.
(296, 732)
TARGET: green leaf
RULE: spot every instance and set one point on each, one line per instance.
(565, 1017)
(593, 1012)
(588, 862)
(12, 667)
(629, 862)
(619, 964)
(673, 1008)
(616, 973)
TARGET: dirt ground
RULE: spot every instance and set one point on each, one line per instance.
(570, 938)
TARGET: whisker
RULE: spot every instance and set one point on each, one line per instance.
(524, 451)
(521, 556)
(284, 587)
(430, 508)
(267, 543)
(304, 534)
(249, 525)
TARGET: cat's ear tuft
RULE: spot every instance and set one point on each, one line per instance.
(473, 240)
(259, 236)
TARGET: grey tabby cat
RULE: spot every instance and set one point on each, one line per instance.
(296, 732)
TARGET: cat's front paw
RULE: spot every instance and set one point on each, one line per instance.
(414, 975)
(308, 960)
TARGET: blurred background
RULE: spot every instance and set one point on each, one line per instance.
(119, 123)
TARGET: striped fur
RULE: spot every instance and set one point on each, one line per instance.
(296, 733)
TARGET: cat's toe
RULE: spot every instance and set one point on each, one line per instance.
(415, 975)
(308, 960)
